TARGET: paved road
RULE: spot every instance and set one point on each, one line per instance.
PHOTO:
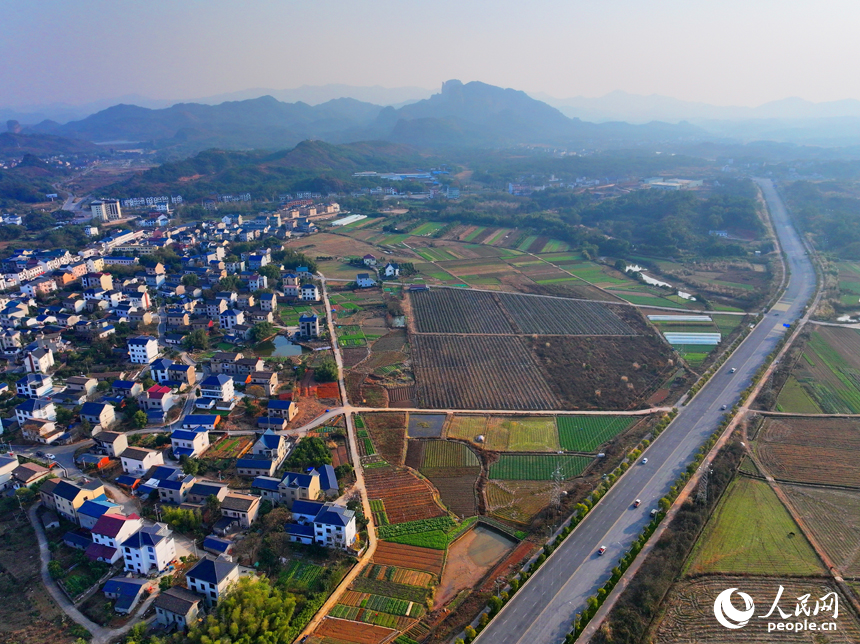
(542, 611)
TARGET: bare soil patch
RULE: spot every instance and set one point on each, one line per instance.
(402, 556)
(470, 558)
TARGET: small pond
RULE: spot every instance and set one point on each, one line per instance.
(278, 347)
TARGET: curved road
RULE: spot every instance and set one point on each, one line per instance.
(543, 609)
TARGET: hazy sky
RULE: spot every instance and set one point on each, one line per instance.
(731, 52)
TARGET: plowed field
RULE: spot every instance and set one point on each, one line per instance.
(402, 556)
(406, 497)
(349, 631)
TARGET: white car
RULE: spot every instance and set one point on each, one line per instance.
(644, 460)
(50, 456)
(601, 550)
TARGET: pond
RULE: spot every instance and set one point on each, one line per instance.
(470, 558)
(279, 347)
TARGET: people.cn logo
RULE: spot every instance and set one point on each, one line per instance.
(728, 615)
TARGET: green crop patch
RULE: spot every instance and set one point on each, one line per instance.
(448, 454)
(538, 467)
(587, 433)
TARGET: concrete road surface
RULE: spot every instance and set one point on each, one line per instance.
(542, 611)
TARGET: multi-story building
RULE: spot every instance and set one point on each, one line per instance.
(106, 210)
(142, 349)
(212, 578)
(108, 534)
(151, 548)
(189, 442)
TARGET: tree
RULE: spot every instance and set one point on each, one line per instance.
(196, 340)
(310, 451)
(255, 391)
(140, 419)
(64, 416)
(262, 330)
(326, 371)
(270, 271)
(189, 465)
(470, 633)
(230, 283)
(191, 280)
(147, 382)
(213, 504)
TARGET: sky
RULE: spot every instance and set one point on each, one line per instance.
(732, 52)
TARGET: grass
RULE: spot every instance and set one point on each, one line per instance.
(467, 427)
(422, 533)
(537, 467)
(752, 533)
(522, 434)
(587, 433)
(301, 571)
(795, 399)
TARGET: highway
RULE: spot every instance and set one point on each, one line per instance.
(543, 609)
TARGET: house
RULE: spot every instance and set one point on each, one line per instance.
(127, 591)
(109, 532)
(150, 548)
(46, 492)
(225, 362)
(247, 366)
(217, 546)
(83, 384)
(39, 361)
(103, 281)
(333, 526)
(202, 490)
(189, 442)
(126, 388)
(369, 260)
(35, 409)
(241, 507)
(230, 318)
(309, 293)
(11, 341)
(68, 496)
(92, 510)
(255, 466)
(34, 385)
(282, 408)
(8, 463)
(271, 445)
(267, 488)
(300, 487)
(391, 270)
(328, 481)
(268, 380)
(272, 422)
(208, 421)
(159, 370)
(113, 443)
(27, 474)
(142, 349)
(177, 607)
(183, 374)
(88, 460)
(41, 431)
(98, 414)
(309, 326)
(257, 282)
(269, 302)
(211, 578)
(364, 280)
(138, 460)
(175, 490)
(158, 398)
(290, 285)
(219, 387)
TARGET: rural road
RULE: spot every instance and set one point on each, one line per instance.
(543, 609)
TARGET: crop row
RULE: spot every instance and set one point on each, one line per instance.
(413, 527)
(448, 454)
(553, 316)
(458, 311)
(538, 467)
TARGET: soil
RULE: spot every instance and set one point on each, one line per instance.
(413, 557)
(469, 559)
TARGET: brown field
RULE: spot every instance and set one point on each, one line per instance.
(689, 612)
(402, 556)
(352, 357)
(388, 432)
(404, 576)
(406, 497)
(457, 488)
(811, 450)
(339, 455)
(833, 517)
(517, 501)
(230, 447)
(356, 632)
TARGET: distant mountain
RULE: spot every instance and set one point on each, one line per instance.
(14, 144)
(461, 115)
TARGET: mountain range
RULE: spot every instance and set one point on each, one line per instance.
(461, 115)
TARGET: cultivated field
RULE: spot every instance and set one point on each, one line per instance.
(453, 469)
(833, 517)
(811, 450)
(447, 454)
(418, 578)
(403, 556)
(517, 501)
(538, 467)
(522, 434)
(479, 372)
(355, 632)
(467, 427)
(751, 532)
(689, 612)
(587, 433)
(444, 310)
(406, 497)
(828, 372)
(388, 432)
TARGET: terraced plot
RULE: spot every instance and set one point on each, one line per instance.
(587, 433)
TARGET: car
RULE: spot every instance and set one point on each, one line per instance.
(724, 407)
(601, 550)
(50, 456)
(654, 512)
(637, 503)
(732, 370)
(644, 460)
(40, 453)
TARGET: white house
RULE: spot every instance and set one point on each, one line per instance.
(309, 326)
(138, 460)
(34, 385)
(142, 349)
(391, 270)
(149, 549)
(39, 361)
(258, 282)
(310, 293)
(218, 386)
(189, 442)
(108, 534)
(35, 408)
(230, 318)
(290, 285)
(326, 524)
(364, 280)
(212, 578)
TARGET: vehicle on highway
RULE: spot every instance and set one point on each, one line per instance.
(654, 512)
(601, 550)
(637, 503)
(724, 407)
(644, 460)
(732, 370)
(50, 456)
(40, 453)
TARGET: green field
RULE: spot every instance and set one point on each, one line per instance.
(751, 532)
(471, 236)
(587, 433)
(427, 228)
(522, 434)
(467, 427)
(448, 454)
(829, 372)
(795, 399)
(436, 254)
(301, 572)
(537, 467)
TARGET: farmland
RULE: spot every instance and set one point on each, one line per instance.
(397, 575)
(345, 631)
(689, 612)
(229, 447)
(387, 430)
(811, 450)
(522, 434)
(517, 501)
(537, 467)
(439, 454)
(833, 518)
(587, 433)
(403, 556)
(829, 373)
(452, 372)
(467, 427)
(458, 311)
(452, 468)
(751, 532)
(426, 425)
(406, 497)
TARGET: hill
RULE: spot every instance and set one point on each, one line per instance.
(15, 144)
